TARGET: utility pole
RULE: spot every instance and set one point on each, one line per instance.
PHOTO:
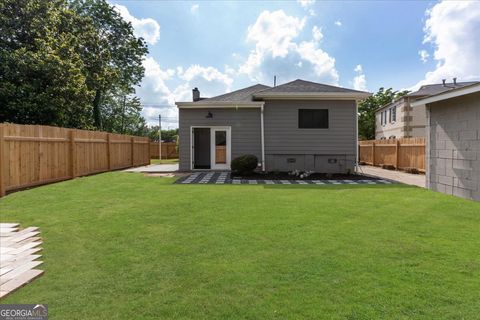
(160, 137)
(123, 113)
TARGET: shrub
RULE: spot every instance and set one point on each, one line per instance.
(245, 164)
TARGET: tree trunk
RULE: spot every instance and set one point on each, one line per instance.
(97, 115)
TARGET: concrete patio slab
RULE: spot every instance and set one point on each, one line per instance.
(155, 168)
(403, 177)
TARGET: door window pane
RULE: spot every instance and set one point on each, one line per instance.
(220, 147)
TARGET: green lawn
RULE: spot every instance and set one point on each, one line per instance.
(163, 161)
(127, 246)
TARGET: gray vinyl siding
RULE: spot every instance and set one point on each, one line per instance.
(311, 148)
(245, 130)
(454, 146)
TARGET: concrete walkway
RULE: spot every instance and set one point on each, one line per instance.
(407, 178)
(155, 168)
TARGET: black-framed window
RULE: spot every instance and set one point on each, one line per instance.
(313, 118)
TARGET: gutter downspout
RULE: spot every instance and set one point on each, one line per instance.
(262, 137)
(356, 136)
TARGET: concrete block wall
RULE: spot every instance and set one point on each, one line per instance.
(454, 146)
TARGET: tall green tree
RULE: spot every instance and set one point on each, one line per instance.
(61, 61)
(367, 107)
(113, 60)
(41, 73)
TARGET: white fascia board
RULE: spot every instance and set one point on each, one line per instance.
(314, 95)
(447, 95)
(219, 104)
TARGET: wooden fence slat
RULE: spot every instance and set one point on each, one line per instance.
(32, 155)
(169, 150)
(2, 165)
(400, 153)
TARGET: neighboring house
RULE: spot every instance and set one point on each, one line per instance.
(453, 141)
(399, 120)
(297, 125)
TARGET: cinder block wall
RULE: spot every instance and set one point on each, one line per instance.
(454, 144)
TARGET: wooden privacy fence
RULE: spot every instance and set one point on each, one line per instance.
(33, 155)
(169, 150)
(400, 153)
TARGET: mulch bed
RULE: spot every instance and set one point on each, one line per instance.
(313, 176)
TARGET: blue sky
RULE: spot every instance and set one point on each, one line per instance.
(223, 46)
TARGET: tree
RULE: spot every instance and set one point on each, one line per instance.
(61, 61)
(41, 74)
(367, 107)
(121, 114)
(167, 135)
(113, 60)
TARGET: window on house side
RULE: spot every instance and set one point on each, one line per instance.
(313, 118)
(394, 114)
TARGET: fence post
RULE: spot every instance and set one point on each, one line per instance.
(133, 147)
(109, 157)
(373, 153)
(396, 153)
(2, 166)
(73, 154)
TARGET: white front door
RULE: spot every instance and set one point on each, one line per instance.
(220, 148)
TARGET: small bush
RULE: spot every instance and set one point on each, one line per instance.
(245, 164)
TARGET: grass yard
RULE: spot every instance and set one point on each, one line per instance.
(126, 246)
(163, 161)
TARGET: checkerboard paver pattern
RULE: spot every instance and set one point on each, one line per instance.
(224, 178)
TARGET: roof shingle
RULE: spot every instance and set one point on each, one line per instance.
(242, 95)
(302, 86)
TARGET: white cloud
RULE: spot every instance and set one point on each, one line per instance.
(274, 31)
(423, 55)
(452, 27)
(194, 8)
(160, 88)
(338, 23)
(317, 33)
(147, 28)
(278, 53)
(306, 3)
(359, 81)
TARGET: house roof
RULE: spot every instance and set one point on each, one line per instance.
(473, 87)
(302, 86)
(298, 89)
(431, 89)
(242, 95)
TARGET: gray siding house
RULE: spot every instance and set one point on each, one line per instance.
(298, 125)
(453, 141)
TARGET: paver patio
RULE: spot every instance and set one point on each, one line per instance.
(18, 258)
(223, 177)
